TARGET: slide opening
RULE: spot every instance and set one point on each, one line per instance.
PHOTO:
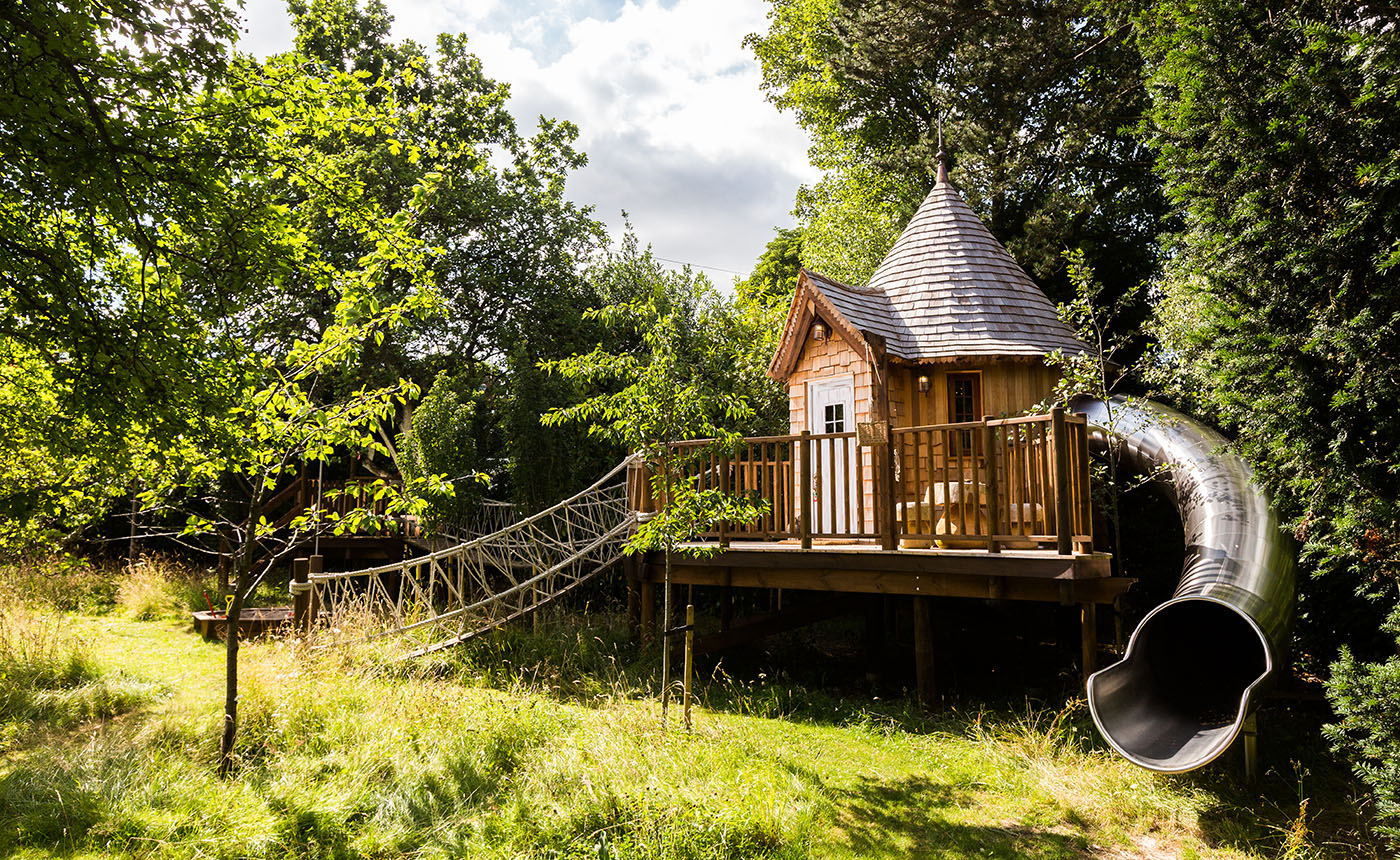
(1178, 698)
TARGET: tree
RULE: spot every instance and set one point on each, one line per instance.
(512, 245)
(100, 159)
(1276, 133)
(1100, 371)
(255, 241)
(649, 396)
(1038, 99)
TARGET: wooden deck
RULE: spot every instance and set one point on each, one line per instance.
(993, 510)
(1039, 575)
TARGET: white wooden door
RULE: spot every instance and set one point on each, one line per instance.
(834, 491)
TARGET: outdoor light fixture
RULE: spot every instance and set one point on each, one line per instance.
(819, 333)
(924, 384)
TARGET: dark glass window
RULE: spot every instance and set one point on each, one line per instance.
(835, 418)
(965, 401)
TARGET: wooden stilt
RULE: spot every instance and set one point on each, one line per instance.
(1089, 639)
(648, 612)
(874, 628)
(301, 595)
(634, 599)
(1250, 731)
(726, 601)
(689, 658)
(315, 564)
(925, 687)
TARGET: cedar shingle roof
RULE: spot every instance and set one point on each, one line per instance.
(948, 289)
(868, 310)
(956, 292)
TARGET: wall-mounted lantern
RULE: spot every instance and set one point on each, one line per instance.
(924, 384)
(819, 332)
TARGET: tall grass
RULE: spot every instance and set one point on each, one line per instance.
(49, 679)
(551, 745)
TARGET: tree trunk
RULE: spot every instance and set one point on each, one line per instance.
(235, 612)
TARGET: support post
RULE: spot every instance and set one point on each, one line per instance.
(724, 489)
(989, 457)
(1250, 730)
(1088, 639)
(1086, 505)
(1064, 529)
(301, 595)
(689, 657)
(726, 600)
(875, 629)
(634, 598)
(648, 610)
(925, 687)
(889, 533)
(315, 564)
(804, 471)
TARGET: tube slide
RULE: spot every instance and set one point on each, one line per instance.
(1184, 687)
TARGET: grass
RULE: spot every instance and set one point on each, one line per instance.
(552, 746)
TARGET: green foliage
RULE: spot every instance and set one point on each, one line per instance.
(774, 276)
(1365, 698)
(1038, 101)
(443, 442)
(1276, 134)
(666, 386)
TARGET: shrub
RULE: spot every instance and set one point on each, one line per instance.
(1366, 697)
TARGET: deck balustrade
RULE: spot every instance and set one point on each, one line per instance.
(1014, 483)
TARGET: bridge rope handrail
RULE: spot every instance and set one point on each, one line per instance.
(450, 595)
(482, 539)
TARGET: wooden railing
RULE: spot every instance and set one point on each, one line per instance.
(926, 485)
(997, 483)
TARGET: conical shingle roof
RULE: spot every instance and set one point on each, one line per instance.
(954, 291)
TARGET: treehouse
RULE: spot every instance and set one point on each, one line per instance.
(919, 460)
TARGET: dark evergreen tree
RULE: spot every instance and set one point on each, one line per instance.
(1278, 134)
(1040, 99)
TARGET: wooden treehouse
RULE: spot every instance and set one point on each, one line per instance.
(916, 462)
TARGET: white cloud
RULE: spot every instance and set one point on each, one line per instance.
(666, 99)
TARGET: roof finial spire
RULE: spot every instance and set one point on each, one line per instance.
(942, 161)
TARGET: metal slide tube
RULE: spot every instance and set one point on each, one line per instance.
(1184, 687)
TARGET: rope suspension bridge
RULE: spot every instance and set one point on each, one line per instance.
(469, 588)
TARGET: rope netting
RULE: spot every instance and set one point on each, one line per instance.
(449, 596)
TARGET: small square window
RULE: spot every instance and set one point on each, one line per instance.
(835, 415)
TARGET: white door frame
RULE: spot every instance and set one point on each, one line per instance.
(829, 459)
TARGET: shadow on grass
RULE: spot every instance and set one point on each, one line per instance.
(909, 818)
(1304, 792)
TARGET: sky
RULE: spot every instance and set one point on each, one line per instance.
(666, 99)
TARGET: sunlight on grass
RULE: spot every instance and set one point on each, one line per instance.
(550, 746)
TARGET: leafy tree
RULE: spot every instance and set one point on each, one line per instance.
(774, 276)
(512, 246)
(650, 394)
(1276, 133)
(1039, 100)
(1101, 371)
(99, 160)
(294, 142)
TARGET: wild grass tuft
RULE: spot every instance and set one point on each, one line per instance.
(551, 745)
(50, 680)
(61, 583)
